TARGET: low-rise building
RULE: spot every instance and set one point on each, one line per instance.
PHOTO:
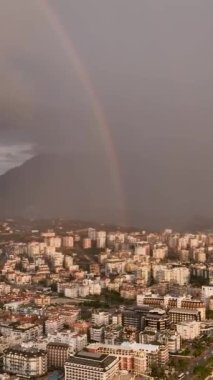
(42, 300)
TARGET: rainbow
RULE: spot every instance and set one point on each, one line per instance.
(99, 115)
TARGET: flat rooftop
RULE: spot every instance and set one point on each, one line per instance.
(183, 311)
(91, 359)
(140, 347)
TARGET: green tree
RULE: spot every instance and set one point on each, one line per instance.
(157, 371)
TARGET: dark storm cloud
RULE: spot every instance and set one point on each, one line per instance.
(151, 62)
(41, 101)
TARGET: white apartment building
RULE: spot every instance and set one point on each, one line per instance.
(92, 233)
(115, 266)
(100, 318)
(194, 241)
(68, 241)
(142, 249)
(94, 287)
(207, 292)
(143, 273)
(53, 241)
(4, 376)
(71, 291)
(54, 324)
(68, 262)
(183, 242)
(101, 239)
(25, 332)
(33, 249)
(57, 260)
(96, 333)
(101, 242)
(27, 363)
(179, 275)
(174, 342)
(50, 251)
(75, 341)
(160, 251)
(188, 330)
(83, 291)
(48, 234)
(161, 273)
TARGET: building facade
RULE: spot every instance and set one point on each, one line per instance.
(57, 355)
(30, 363)
(91, 366)
(188, 330)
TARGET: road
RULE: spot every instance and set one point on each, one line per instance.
(62, 300)
(200, 360)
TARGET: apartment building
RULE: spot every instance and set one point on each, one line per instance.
(42, 300)
(128, 352)
(177, 315)
(57, 355)
(168, 302)
(100, 318)
(75, 341)
(207, 292)
(157, 319)
(30, 364)
(53, 324)
(135, 316)
(188, 330)
(97, 333)
(91, 366)
(26, 331)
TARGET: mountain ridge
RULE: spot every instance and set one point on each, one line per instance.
(80, 187)
(55, 185)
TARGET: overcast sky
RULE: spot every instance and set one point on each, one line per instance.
(151, 64)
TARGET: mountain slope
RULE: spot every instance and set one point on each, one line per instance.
(51, 185)
(81, 187)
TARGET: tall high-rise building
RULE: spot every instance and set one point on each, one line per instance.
(92, 233)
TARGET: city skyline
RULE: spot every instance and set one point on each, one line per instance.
(106, 213)
(80, 301)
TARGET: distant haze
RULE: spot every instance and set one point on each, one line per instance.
(150, 63)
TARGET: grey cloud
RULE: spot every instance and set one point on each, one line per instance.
(151, 63)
